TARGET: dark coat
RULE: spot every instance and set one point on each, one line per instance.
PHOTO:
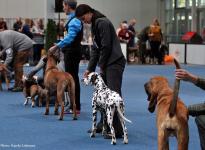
(143, 35)
(107, 49)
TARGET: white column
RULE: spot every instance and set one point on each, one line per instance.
(194, 17)
(45, 13)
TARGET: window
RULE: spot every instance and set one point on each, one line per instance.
(170, 4)
(180, 3)
(190, 2)
(202, 2)
(178, 18)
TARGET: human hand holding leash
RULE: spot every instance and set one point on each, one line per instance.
(53, 49)
(86, 73)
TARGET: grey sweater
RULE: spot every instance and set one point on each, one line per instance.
(14, 40)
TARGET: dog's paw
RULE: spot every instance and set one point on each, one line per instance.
(113, 142)
(46, 113)
(92, 135)
(33, 105)
(26, 102)
(125, 141)
(60, 118)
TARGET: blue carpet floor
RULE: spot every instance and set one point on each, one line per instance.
(27, 128)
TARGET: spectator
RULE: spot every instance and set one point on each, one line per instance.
(107, 53)
(3, 25)
(71, 46)
(142, 39)
(17, 25)
(17, 48)
(197, 110)
(131, 29)
(124, 34)
(38, 38)
(26, 29)
(86, 42)
(61, 29)
(119, 28)
(155, 39)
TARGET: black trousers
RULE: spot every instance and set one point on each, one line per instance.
(142, 52)
(200, 122)
(155, 53)
(112, 76)
(37, 52)
(72, 61)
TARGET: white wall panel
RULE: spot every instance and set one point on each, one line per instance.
(116, 10)
(177, 50)
(22, 8)
(119, 10)
(196, 54)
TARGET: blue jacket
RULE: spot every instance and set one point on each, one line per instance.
(74, 26)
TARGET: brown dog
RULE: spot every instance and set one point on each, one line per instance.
(57, 81)
(3, 72)
(36, 90)
(160, 95)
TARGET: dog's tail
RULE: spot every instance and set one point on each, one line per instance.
(173, 105)
(72, 97)
(122, 116)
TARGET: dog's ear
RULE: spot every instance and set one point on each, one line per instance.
(153, 102)
(93, 78)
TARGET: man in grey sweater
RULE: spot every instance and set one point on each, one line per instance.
(16, 47)
(197, 110)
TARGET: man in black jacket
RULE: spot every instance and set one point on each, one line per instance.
(106, 53)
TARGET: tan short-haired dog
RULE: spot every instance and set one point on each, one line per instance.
(56, 81)
(3, 72)
(160, 95)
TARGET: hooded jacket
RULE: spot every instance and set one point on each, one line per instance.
(107, 49)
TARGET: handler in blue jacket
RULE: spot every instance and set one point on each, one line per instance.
(71, 46)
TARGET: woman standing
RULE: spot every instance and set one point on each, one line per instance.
(155, 39)
(106, 53)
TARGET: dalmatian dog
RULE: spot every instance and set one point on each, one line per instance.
(107, 101)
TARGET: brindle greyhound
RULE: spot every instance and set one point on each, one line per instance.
(58, 82)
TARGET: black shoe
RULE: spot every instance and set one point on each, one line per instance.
(11, 88)
(17, 89)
